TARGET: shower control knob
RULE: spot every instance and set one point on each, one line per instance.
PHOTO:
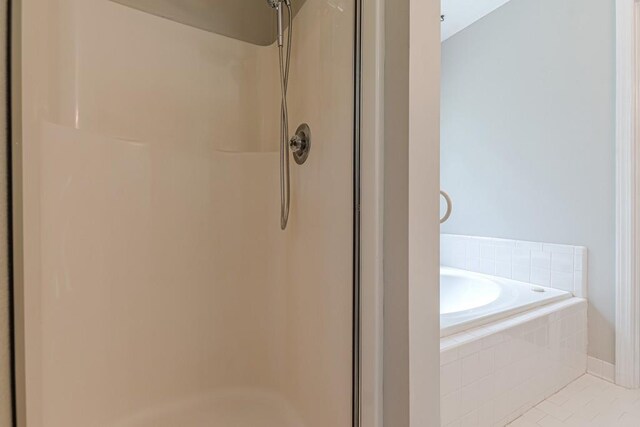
(300, 143)
(297, 144)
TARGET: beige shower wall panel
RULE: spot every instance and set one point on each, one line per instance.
(122, 72)
(165, 308)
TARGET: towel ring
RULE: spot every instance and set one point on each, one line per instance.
(449, 207)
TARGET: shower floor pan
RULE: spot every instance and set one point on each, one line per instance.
(239, 408)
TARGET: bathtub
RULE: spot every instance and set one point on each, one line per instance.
(469, 300)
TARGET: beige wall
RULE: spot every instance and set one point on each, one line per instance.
(396, 206)
(411, 226)
(5, 382)
(424, 220)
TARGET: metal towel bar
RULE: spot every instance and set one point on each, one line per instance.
(449, 207)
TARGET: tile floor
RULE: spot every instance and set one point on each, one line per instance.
(586, 402)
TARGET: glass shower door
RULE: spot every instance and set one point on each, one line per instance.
(158, 287)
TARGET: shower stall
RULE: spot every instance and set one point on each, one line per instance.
(153, 283)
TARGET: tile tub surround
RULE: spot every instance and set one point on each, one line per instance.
(491, 375)
(556, 266)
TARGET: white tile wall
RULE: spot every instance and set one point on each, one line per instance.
(491, 375)
(557, 266)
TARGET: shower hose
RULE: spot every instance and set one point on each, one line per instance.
(285, 187)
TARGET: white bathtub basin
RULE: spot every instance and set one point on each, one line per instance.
(461, 291)
(469, 300)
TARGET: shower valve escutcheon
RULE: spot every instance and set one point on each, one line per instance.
(300, 143)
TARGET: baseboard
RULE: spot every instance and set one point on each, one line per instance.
(601, 369)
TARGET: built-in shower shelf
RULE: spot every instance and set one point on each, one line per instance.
(246, 152)
(251, 21)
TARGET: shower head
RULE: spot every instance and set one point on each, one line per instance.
(277, 5)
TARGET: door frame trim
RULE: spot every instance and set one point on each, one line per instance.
(627, 197)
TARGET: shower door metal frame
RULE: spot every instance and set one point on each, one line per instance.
(15, 212)
(357, 342)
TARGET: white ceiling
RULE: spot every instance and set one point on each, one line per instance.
(459, 14)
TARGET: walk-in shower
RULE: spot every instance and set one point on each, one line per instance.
(154, 285)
